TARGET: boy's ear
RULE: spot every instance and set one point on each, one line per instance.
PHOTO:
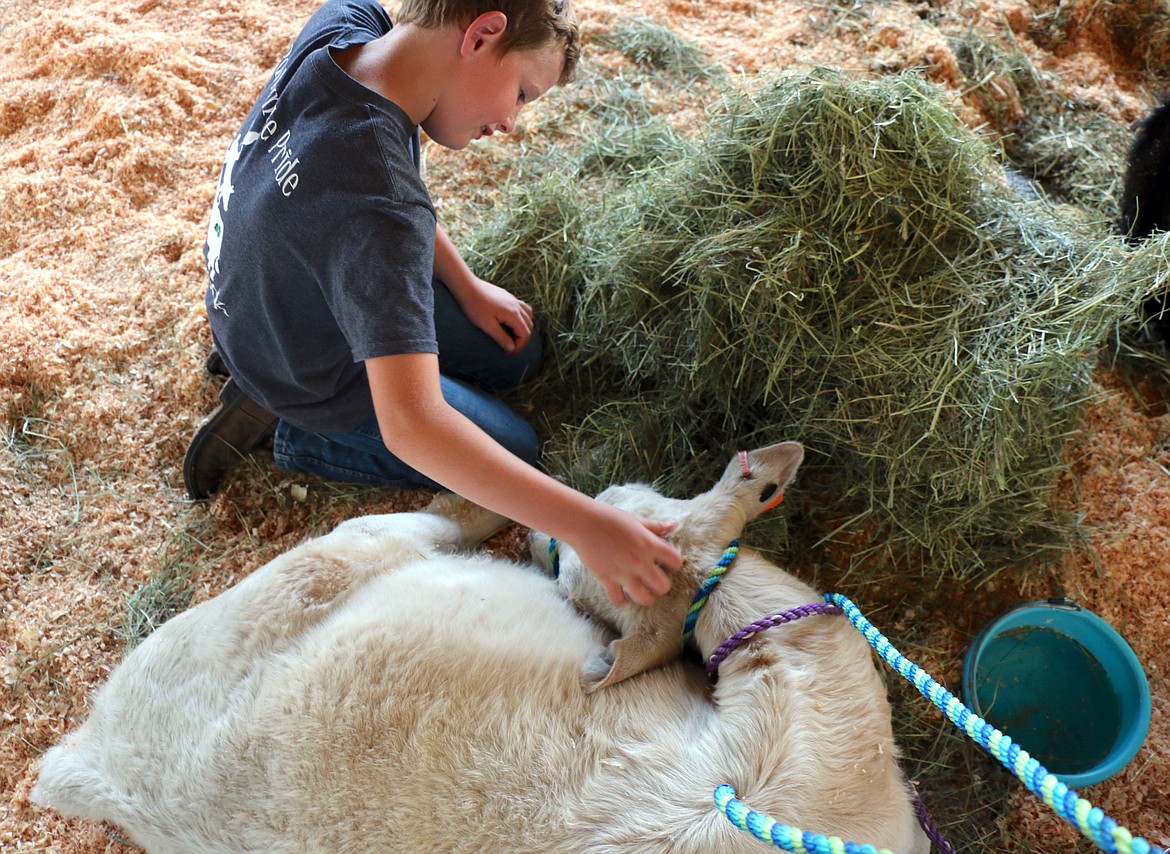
(483, 31)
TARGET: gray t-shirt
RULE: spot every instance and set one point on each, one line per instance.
(320, 248)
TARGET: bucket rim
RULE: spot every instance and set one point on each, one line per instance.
(1095, 633)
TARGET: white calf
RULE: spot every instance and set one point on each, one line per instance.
(372, 690)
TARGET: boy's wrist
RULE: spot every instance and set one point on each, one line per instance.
(463, 286)
(576, 514)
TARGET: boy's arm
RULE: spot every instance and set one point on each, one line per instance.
(501, 315)
(626, 554)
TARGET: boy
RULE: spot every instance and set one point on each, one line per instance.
(342, 311)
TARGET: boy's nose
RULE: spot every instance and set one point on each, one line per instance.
(509, 123)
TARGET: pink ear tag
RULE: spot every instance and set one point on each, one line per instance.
(746, 472)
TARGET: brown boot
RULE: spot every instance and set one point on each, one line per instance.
(235, 428)
(215, 364)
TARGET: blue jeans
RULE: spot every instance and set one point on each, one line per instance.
(471, 366)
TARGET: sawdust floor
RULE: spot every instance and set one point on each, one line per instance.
(114, 116)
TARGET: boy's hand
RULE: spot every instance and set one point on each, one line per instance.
(501, 315)
(506, 319)
(628, 555)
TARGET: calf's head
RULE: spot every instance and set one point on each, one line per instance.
(752, 482)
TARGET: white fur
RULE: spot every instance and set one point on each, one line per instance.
(374, 690)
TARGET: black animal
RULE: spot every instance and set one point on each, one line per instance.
(1145, 199)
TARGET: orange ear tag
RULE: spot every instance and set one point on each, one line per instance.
(774, 502)
(746, 472)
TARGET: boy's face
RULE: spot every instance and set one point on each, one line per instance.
(489, 91)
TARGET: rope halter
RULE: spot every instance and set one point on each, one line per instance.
(747, 632)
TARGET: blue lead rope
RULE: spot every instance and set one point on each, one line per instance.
(1099, 828)
(782, 836)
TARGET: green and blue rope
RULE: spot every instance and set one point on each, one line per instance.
(705, 589)
(554, 557)
(782, 836)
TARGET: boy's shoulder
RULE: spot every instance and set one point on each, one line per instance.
(356, 15)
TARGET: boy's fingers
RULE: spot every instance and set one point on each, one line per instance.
(515, 333)
(506, 338)
(667, 557)
(663, 528)
(656, 582)
(638, 593)
(520, 336)
(524, 327)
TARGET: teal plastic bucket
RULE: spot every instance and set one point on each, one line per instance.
(1064, 685)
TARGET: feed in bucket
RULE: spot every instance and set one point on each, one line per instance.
(1064, 685)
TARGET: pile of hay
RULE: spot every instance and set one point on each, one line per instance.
(837, 261)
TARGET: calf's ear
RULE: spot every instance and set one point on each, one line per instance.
(758, 478)
(651, 637)
(626, 657)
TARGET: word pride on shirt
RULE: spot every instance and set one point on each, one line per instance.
(284, 161)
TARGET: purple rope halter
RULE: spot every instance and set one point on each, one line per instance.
(778, 619)
(926, 822)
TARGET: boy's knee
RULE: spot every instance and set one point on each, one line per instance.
(526, 363)
(496, 370)
(527, 446)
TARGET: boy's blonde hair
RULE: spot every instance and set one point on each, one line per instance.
(531, 23)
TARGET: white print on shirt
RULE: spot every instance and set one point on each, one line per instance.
(283, 161)
(216, 302)
(278, 72)
(284, 164)
(223, 195)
